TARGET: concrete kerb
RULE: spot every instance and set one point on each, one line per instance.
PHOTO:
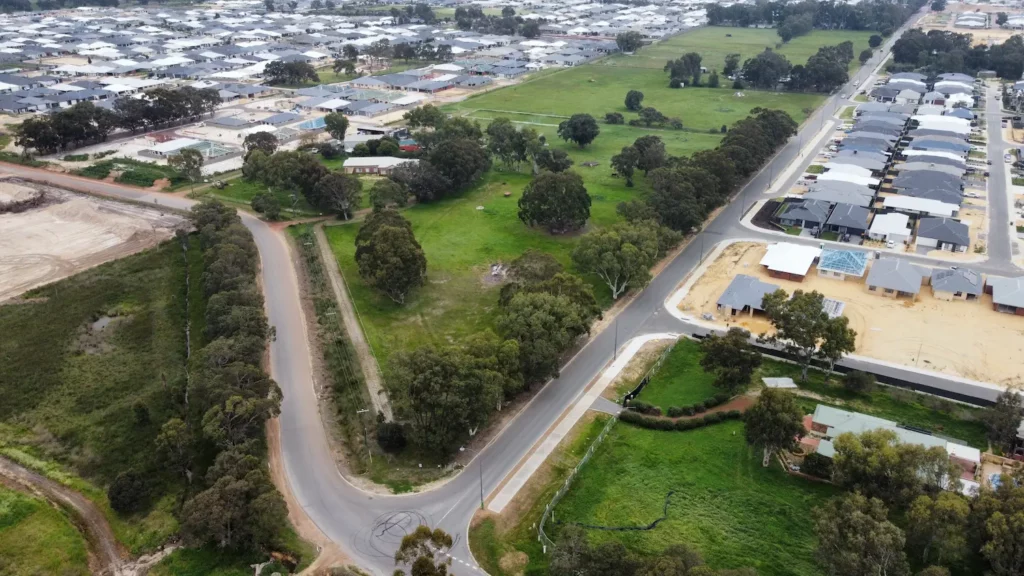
(547, 444)
(672, 307)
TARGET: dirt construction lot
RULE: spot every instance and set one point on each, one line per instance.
(964, 338)
(69, 233)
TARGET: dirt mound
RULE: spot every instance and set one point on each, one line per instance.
(11, 193)
(120, 225)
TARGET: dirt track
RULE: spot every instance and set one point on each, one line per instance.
(105, 554)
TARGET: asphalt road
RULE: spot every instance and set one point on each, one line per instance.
(1000, 250)
(368, 526)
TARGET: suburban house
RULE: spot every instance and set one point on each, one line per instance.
(892, 226)
(957, 284)
(895, 277)
(744, 294)
(827, 423)
(848, 219)
(943, 234)
(1007, 294)
(839, 264)
(789, 261)
(373, 164)
(805, 214)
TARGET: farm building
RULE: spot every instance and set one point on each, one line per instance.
(373, 164)
(744, 294)
(827, 423)
(789, 261)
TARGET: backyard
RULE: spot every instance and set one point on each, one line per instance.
(724, 503)
(680, 381)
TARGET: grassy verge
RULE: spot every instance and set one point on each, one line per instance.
(736, 512)
(36, 538)
(512, 535)
(815, 169)
(940, 416)
(240, 192)
(847, 113)
(680, 381)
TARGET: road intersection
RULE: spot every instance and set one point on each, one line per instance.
(370, 526)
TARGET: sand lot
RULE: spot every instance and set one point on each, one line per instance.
(70, 233)
(964, 338)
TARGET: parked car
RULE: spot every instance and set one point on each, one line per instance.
(890, 243)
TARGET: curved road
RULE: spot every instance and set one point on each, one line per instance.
(369, 526)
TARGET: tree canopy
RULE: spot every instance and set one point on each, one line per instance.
(579, 128)
(557, 201)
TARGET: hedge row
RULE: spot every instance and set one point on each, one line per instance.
(699, 407)
(654, 423)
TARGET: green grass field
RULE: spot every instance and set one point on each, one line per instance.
(714, 43)
(726, 505)
(680, 381)
(68, 387)
(36, 539)
(460, 243)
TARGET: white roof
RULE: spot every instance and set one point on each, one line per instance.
(891, 223)
(933, 207)
(790, 258)
(837, 165)
(848, 177)
(964, 452)
(945, 123)
(940, 153)
(779, 382)
(378, 161)
(333, 104)
(175, 145)
(448, 67)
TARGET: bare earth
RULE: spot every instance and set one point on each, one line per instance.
(968, 339)
(70, 233)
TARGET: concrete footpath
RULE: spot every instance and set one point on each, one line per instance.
(584, 402)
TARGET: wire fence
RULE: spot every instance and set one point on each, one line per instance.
(549, 510)
(647, 376)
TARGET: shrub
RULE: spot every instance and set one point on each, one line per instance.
(141, 413)
(699, 407)
(733, 414)
(76, 157)
(614, 118)
(859, 382)
(817, 465)
(128, 492)
(644, 408)
(103, 154)
(674, 412)
(391, 437)
(712, 418)
(98, 171)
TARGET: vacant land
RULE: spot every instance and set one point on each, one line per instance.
(506, 544)
(36, 538)
(70, 233)
(596, 89)
(714, 43)
(928, 333)
(77, 355)
(734, 511)
(460, 243)
(680, 381)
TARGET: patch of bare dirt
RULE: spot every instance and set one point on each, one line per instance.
(160, 184)
(513, 562)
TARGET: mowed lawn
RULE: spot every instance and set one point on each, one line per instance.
(36, 538)
(680, 381)
(714, 43)
(598, 89)
(725, 504)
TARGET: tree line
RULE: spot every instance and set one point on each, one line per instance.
(792, 19)
(824, 71)
(216, 442)
(472, 17)
(85, 123)
(939, 51)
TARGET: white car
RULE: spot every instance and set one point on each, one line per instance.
(890, 243)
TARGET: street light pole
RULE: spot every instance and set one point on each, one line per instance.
(480, 468)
